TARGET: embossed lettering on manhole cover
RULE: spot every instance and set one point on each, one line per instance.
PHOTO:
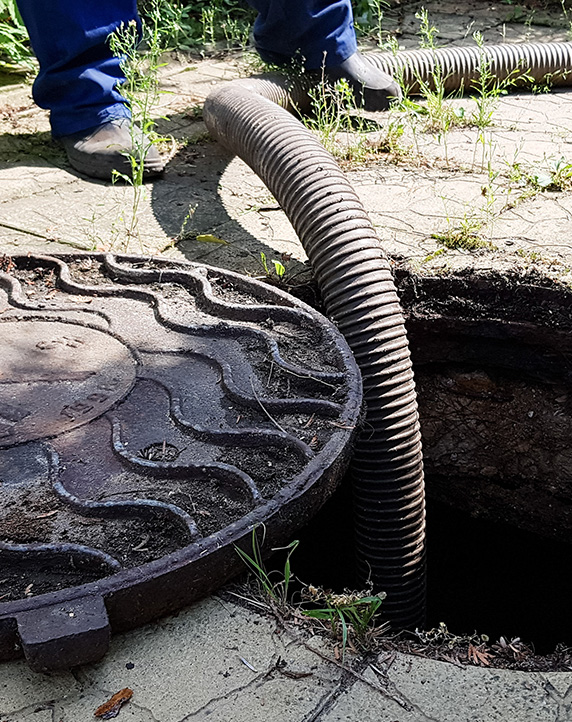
(55, 376)
(152, 414)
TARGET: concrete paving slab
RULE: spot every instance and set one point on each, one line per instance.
(215, 661)
(218, 661)
(427, 691)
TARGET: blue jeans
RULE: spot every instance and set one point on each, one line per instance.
(79, 78)
(321, 31)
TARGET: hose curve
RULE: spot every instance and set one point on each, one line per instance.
(251, 118)
(355, 279)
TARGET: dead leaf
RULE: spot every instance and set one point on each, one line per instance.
(209, 238)
(111, 708)
(479, 656)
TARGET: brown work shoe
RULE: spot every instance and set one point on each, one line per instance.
(99, 151)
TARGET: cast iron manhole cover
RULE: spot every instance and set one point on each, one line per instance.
(151, 415)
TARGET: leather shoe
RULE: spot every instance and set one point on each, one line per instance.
(373, 89)
(97, 152)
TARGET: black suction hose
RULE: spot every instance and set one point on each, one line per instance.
(357, 288)
(358, 292)
(459, 67)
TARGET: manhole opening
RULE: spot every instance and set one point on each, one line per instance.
(483, 576)
(493, 363)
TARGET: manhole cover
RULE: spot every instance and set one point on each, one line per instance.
(151, 414)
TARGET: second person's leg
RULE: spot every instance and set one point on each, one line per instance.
(79, 77)
(321, 33)
(80, 83)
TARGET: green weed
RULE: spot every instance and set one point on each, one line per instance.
(464, 236)
(141, 90)
(200, 25)
(368, 18)
(275, 273)
(391, 141)
(15, 51)
(427, 31)
(556, 176)
(434, 254)
(533, 256)
(273, 586)
(434, 114)
(552, 175)
(487, 89)
(351, 616)
(337, 121)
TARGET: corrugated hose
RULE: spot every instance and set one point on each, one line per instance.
(250, 117)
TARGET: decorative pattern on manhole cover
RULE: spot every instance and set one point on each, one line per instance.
(151, 414)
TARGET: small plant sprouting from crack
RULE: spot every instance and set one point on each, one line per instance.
(435, 113)
(434, 254)
(557, 176)
(487, 88)
(427, 31)
(141, 90)
(274, 587)
(338, 122)
(553, 176)
(465, 235)
(352, 617)
(278, 270)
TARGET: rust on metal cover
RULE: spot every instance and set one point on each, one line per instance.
(152, 413)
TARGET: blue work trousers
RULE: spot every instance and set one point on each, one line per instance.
(79, 79)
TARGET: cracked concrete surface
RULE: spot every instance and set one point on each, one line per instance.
(202, 663)
(189, 666)
(217, 661)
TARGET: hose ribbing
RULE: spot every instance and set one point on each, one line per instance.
(357, 286)
(460, 67)
(358, 292)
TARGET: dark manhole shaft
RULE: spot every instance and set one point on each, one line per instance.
(151, 415)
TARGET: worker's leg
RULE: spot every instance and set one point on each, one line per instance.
(321, 31)
(78, 78)
(80, 81)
